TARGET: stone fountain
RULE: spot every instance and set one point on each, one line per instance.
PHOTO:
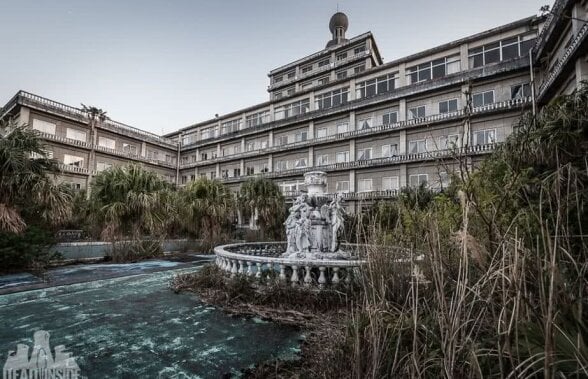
(315, 222)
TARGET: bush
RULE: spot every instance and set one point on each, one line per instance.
(27, 250)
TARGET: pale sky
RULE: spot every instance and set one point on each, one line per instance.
(161, 65)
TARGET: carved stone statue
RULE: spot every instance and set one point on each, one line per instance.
(313, 224)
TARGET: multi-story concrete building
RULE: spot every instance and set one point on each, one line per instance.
(374, 127)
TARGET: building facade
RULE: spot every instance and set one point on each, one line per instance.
(374, 127)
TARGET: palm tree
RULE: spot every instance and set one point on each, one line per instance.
(207, 208)
(262, 201)
(27, 191)
(129, 201)
(95, 115)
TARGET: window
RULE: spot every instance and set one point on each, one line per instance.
(390, 118)
(448, 106)
(359, 68)
(184, 160)
(389, 150)
(193, 157)
(204, 156)
(324, 62)
(290, 91)
(342, 157)
(184, 179)
(188, 140)
(390, 183)
(417, 146)
(342, 186)
(250, 146)
(293, 109)
(520, 91)
(282, 165)
(282, 140)
(322, 160)
(212, 175)
(128, 148)
(44, 126)
(224, 174)
(263, 144)
(231, 126)
(342, 127)
(300, 163)
(236, 172)
(416, 112)
(75, 134)
(365, 123)
(444, 179)
(341, 56)
(278, 79)
(300, 136)
(250, 171)
(192, 177)
(322, 132)
(332, 99)
(48, 155)
(72, 160)
(306, 85)
(291, 74)
(418, 180)
(448, 142)
(306, 69)
(256, 119)
(151, 154)
(364, 154)
(483, 98)
(509, 48)
(341, 74)
(365, 185)
(106, 142)
(435, 69)
(485, 137)
(359, 49)
(322, 81)
(208, 133)
(264, 168)
(379, 85)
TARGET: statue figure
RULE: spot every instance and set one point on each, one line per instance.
(303, 231)
(291, 223)
(336, 213)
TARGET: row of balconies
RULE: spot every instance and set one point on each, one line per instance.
(459, 78)
(44, 104)
(554, 74)
(128, 155)
(376, 162)
(444, 117)
(318, 70)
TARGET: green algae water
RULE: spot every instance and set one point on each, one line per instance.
(136, 327)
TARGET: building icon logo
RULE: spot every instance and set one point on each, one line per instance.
(41, 363)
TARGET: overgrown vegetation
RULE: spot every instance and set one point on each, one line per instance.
(504, 286)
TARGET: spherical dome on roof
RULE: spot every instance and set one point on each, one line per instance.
(339, 20)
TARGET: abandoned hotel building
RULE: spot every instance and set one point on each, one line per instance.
(374, 127)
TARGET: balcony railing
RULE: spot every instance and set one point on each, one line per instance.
(318, 70)
(376, 162)
(443, 117)
(399, 93)
(73, 169)
(134, 156)
(563, 60)
(35, 101)
(64, 140)
(367, 195)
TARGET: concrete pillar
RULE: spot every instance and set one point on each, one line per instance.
(402, 143)
(402, 75)
(581, 70)
(352, 150)
(243, 122)
(198, 155)
(403, 178)
(218, 170)
(463, 56)
(402, 110)
(311, 100)
(271, 112)
(311, 156)
(218, 149)
(242, 167)
(270, 139)
(143, 149)
(351, 180)
(24, 117)
(579, 15)
(352, 121)
(311, 130)
(352, 89)
(196, 172)
(242, 144)
(270, 163)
